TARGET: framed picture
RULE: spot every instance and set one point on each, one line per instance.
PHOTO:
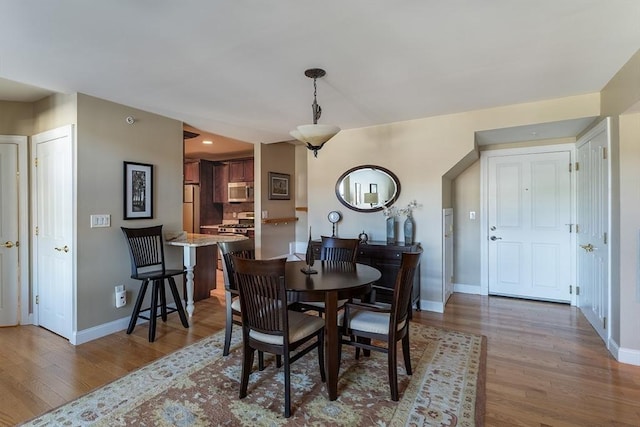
(373, 188)
(279, 186)
(138, 190)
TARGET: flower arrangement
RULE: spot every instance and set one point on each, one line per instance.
(390, 212)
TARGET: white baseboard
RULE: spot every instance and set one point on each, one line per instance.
(86, 335)
(436, 306)
(467, 289)
(625, 355)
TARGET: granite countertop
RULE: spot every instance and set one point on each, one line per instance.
(195, 240)
(210, 226)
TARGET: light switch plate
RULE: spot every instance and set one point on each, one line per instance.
(103, 220)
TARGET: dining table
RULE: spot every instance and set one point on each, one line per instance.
(189, 242)
(332, 281)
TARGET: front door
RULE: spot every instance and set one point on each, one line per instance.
(593, 227)
(9, 226)
(529, 216)
(53, 246)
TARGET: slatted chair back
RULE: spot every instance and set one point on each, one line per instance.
(240, 248)
(146, 249)
(337, 249)
(263, 297)
(401, 305)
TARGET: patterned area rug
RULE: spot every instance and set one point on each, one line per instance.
(197, 386)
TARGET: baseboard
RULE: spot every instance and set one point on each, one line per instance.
(436, 306)
(86, 335)
(467, 289)
(625, 355)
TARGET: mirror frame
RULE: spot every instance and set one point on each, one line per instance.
(390, 202)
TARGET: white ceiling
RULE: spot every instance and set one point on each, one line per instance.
(236, 68)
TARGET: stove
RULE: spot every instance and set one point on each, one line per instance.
(242, 225)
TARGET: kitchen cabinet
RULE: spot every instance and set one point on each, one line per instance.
(220, 182)
(241, 170)
(386, 258)
(204, 272)
(191, 172)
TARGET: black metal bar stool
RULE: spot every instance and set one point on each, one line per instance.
(147, 264)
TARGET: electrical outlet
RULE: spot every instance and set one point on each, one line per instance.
(121, 296)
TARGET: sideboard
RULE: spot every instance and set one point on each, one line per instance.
(386, 258)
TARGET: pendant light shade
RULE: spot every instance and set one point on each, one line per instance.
(314, 135)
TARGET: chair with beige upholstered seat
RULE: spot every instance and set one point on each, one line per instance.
(364, 322)
(243, 249)
(267, 323)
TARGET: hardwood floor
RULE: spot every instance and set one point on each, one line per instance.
(545, 364)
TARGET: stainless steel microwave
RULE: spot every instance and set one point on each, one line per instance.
(240, 192)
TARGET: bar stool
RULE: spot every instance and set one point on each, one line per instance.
(147, 265)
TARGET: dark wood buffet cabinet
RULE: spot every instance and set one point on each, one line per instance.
(386, 258)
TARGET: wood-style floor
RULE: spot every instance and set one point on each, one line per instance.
(545, 364)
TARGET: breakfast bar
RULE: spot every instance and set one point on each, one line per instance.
(189, 243)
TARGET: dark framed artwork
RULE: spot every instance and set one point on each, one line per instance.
(138, 190)
(279, 186)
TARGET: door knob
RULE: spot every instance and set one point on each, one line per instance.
(63, 249)
(588, 247)
(9, 244)
(494, 238)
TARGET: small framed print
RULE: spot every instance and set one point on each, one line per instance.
(138, 190)
(279, 186)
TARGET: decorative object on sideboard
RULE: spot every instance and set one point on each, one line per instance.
(409, 224)
(315, 135)
(364, 238)
(309, 258)
(390, 214)
(334, 217)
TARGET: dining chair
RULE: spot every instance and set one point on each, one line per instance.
(364, 322)
(243, 249)
(146, 250)
(333, 249)
(267, 323)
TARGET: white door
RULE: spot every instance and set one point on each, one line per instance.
(53, 247)
(9, 226)
(529, 212)
(593, 225)
(447, 258)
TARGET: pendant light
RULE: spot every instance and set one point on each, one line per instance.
(315, 135)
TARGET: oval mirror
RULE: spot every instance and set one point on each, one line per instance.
(367, 188)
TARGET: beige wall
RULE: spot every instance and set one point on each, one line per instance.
(618, 96)
(104, 141)
(275, 238)
(420, 153)
(466, 232)
(16, 118)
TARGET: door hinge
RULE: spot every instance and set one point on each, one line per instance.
(577, 290)
(577, 166)
(577, 229)
(605, 238)
(37, 299)
(604, 153)
(569, 166)
(36, 161)
(604, 323)
(570, 289)
(37, 230)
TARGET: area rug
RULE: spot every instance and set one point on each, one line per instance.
(197, 386)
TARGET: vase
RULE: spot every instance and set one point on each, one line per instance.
(309, 258)
(391, 230)
(408, 230)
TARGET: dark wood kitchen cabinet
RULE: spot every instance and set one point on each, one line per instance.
(386, 258)
(220, 182)
(191, 172)
(241, 170)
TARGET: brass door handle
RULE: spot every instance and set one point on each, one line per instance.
(9, 244)
(588, 247)
(63, 249)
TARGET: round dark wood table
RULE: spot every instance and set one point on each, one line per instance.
(333, 281)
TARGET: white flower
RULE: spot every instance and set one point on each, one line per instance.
(393, 211)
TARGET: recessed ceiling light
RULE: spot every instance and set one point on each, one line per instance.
(207, 142)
